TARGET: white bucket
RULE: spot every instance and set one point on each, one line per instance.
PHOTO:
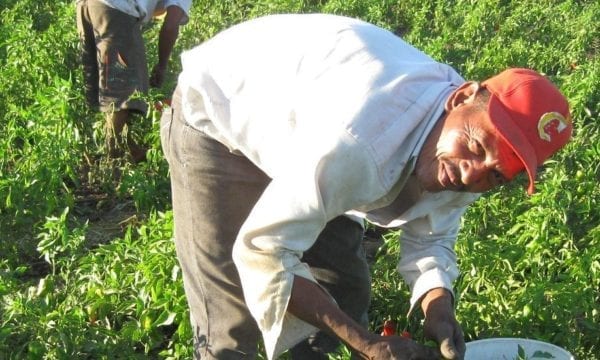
(508, 349)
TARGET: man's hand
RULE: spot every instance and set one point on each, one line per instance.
(398, 348)
(166, 40)
(310, 303)
(157, 76)
(441, 325)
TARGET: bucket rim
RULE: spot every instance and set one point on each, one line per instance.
(516, 340)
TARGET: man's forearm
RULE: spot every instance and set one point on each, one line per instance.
(168, 34)
(166, 42)
(310, 303)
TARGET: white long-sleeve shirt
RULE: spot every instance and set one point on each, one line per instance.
(335, 111)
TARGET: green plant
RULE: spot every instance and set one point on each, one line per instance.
(106, 290)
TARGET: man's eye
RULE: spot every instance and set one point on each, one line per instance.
(475, 147)
(499, 179)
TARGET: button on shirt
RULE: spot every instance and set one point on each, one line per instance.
(335, 111)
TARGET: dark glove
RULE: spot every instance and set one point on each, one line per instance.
(441, 325)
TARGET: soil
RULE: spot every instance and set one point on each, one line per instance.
(107, 214)
(107, 217)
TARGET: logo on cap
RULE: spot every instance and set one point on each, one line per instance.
(549, 121)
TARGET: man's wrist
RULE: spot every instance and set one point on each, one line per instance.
(441, 295)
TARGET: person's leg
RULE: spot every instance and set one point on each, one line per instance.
(337, 261)
(213, 193)
(118, 138)
(89, 61)
(113, 130)
(122, 74)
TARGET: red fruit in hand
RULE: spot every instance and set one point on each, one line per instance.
(161, 104)
(405, 334)
(389, 328)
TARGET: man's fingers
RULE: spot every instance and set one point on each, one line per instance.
(449, 350)
(450, 338)
(424, 352)
(433, 353)
(459, 342)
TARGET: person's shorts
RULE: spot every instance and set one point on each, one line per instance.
(114, 58)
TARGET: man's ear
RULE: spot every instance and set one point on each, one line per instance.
(465, 94)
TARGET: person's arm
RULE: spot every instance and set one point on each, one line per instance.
(310, 303)
(428, 264)
(318, 183)
(166, 41)
(441, 324)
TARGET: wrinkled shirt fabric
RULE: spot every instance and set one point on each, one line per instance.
(335, 111)
(144, 9)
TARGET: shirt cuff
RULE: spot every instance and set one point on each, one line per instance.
(431, 279)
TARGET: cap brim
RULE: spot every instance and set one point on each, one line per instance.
(515, 139)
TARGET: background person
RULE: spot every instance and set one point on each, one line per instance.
(114, 59)
(286, 132)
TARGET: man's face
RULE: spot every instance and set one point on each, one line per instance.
(463, 153)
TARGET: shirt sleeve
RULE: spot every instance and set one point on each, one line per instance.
(428, 259)
(320, 183)
(184, 5)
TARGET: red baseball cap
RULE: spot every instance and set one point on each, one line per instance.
(531, 115)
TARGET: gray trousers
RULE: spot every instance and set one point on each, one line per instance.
(213, 192)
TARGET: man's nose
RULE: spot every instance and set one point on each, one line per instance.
(471, 172)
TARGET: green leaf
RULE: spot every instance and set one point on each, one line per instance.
(543, 355)
(165, 319)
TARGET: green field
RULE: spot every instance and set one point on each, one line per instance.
(87, 266)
